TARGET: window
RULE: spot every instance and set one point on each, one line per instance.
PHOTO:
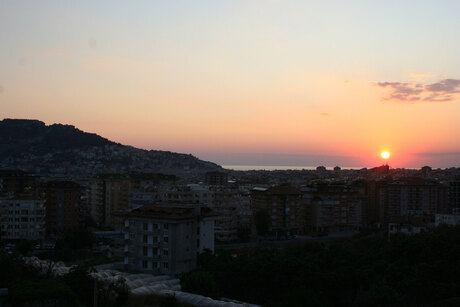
(165, 265)
(145, 251)
(165, 252)
(145, 226)
(144, 264)
(155, 226)
(166, 226)
(165, 239)
(145, 238)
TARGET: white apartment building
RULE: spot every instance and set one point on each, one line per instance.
(165, 239)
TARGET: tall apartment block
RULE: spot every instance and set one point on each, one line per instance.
(64, 208)
(331, 207)
(108, 195)
(165, 239)
(282, 203)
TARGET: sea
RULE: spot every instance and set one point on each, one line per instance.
(280, 167)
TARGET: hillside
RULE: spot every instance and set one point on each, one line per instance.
(63, 149)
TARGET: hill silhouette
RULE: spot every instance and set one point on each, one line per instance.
(34, 146)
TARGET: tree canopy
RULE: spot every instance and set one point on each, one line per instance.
(363, 271)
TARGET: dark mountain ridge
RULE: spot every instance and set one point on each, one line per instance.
(33, 146)
(21, 135)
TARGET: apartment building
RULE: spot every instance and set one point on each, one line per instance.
(64, 208)
(22, 218)
(282, 204)
(329, 207)
(108, 194)
(216, 178)
(414, 197)
(17, 182)
(165, 238)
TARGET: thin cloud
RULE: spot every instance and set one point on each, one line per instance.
(444, 90)
(438, 154)
(445, 86)
(402, 91)
(325, 114)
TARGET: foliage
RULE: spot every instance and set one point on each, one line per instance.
(243, 234)
(79, 280)
(12, 268)
(41, 292)
(24, 246)
(76, 238)
(69, 246)
(28, 287)
(262, 221)
(423, 269)
(199, 282)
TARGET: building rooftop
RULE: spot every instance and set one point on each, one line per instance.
(169, 212)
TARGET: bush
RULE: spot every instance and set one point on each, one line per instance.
(199, 282)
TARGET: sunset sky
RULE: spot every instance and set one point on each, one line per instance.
(243, 82)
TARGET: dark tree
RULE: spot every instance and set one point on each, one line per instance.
(44, 292)
(199, 282)
(262, 221)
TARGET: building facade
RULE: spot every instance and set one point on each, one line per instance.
(22, 219)
(64, 208)
(282, 204)
(331, 207)
(108, 194)
(165, 239)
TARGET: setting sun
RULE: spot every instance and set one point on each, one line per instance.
(385, 155)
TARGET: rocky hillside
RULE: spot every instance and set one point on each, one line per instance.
(63, 149)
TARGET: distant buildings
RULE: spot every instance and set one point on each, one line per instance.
(165, 239)
(282, 204)
(17, 182)
(453, 202)
(452, 219)
(64, 208)
(312, 202)
(414, 197)
(22, 218)
(216, 178)
(329, 207)
(109, 194)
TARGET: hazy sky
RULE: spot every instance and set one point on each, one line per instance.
(235, 82)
